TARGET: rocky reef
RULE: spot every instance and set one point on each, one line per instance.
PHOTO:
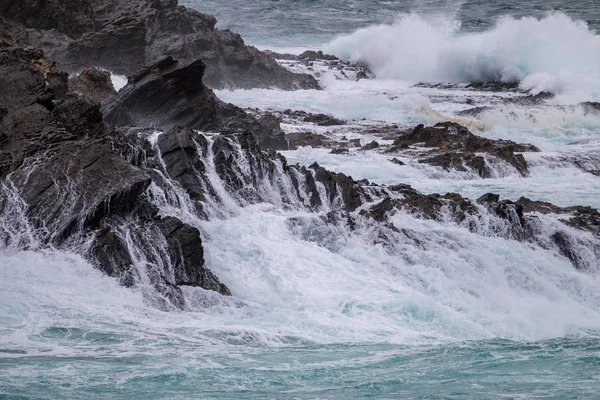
(126, 179)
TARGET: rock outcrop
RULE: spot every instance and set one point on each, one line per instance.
(318, 64)
(58, 159)
(455, 147)
(125, 35)
(169, 94)
(93, 84)
(103, 185)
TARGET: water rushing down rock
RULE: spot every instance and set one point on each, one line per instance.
(131, 191)
(76, 192)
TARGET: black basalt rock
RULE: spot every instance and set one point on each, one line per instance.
(187, 256)
(453, 146)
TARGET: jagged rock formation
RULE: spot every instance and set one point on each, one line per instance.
(457, 148)
(70, 181)
(60, 170)
(171, 94)
(317, 63)
(125, 35)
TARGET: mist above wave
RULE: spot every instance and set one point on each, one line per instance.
(555, 53)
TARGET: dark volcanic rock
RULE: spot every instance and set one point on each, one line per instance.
(77, 190)
(92, 83)
(480, 86)
(187, 256)
(370, 146)
(457, 148)
(112, 256)
(182, 161)
(298, 139)
(124, 35)
(317, 119)
(317, 63)
(580, 217)
(171, 94)
(316, 55)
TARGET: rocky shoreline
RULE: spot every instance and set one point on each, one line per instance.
(90, 170)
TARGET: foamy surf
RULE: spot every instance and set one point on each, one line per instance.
(322, 309)
(555, 53)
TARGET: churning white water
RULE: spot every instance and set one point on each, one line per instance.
(318, 308)
(555, 53)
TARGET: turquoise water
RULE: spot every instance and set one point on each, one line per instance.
(556, 369)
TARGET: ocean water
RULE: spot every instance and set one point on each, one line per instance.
(319, 312)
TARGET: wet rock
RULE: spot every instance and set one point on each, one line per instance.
(316, 55)
(303, 139)
(187, 256)
(489, 198)
(379, 211)
(179, 151)
(474, 112)
(580, 217)
(317, 119)
(112, 257)
(317, 63)
(396, 161)
(78, 190)
(479, 86)
(92, 83)
(530, 100)
(590, 107)
(354, 142)
(340, 150)
(351, 192)
(171, 94)
(370, 146)
(457, 147)
(124, 35)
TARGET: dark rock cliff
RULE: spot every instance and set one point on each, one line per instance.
(125, 35)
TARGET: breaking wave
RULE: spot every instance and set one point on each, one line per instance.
(555, 53)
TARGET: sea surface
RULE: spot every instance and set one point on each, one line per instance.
(330, 315)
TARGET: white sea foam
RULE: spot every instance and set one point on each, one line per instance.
(555, 53)
(118, 81)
